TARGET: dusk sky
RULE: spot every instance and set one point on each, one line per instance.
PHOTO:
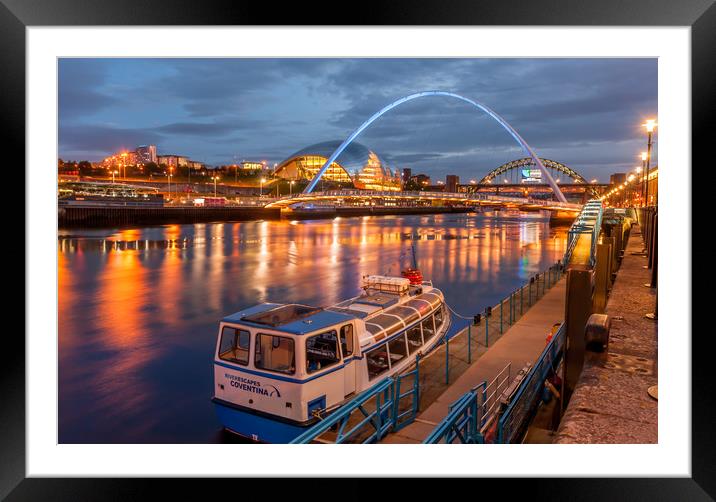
(585, 113)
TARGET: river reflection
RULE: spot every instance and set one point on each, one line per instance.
(138, 308)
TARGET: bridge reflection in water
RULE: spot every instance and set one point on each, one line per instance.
(138, 308)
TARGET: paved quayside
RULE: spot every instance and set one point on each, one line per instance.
(520, 344)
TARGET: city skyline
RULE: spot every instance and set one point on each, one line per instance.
(586, 113)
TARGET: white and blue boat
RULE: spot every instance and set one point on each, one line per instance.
(279, 368)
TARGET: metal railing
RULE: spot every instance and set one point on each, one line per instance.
(494, 321)
(472, 413)
(588, 222)
(464, 419)
(370, 415)
(514, 419)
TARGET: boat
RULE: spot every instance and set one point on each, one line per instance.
(280, 368)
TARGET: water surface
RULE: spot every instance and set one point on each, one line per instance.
(138, 308)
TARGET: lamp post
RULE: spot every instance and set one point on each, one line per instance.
(650, 126)
(290, 188)
(261, 187)
(631, 189)
(114, 171)
(214, 178)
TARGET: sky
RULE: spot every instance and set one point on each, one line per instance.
(585, 113)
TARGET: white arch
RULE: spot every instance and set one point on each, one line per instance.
(545, 173)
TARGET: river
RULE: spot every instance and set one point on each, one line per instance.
(138, 308)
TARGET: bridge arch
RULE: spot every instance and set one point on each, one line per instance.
(528, 161)
(545, 173)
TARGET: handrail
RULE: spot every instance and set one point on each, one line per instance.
(520, 407)
(384, 417)
(463, 421)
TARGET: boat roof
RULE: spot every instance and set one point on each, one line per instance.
(290, 318)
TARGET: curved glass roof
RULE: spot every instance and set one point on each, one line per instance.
(353, 159)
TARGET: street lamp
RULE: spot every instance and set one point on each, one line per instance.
(290, 188)
(214, 178)
(261, 187)
(114, 171)
(650, 126)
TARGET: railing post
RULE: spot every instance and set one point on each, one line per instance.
(469, 344)
(502, 303)
(511, 307)
(529, 292)
(447, 360)
(487, 324)
(522, 295)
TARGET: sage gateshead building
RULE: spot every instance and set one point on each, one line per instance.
(356, 164)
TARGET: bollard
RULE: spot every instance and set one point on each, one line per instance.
(596, 333)
(477, 318)
(488, 312)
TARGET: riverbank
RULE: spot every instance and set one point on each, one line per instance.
(98, 216)
(610, 403)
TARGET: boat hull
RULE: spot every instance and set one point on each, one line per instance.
(256, 427)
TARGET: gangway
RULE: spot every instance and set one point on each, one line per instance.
(583, 235)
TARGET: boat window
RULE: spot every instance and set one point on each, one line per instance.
(234, 346)
(406, 314)
(275, 353)
(439, 317)
(428, 328)
(397, 349)
(377, 360)
(347, 340)
(321, 351)
(414, 339)
(389, 323)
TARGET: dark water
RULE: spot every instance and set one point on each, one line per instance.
(138, 308)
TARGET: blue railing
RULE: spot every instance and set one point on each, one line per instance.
(370, 415)
(515, 417)
(465, 418)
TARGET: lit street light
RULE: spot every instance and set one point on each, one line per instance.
(214, 178)
(261, 187)
(650, 126)
(290, 188)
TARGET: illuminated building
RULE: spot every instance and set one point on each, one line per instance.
(173, 160)
(451, 183)
(147, 154)
(356, 164)
(252, 166)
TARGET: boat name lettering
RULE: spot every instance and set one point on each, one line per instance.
(252, 386)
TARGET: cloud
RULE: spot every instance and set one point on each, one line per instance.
(584, 111)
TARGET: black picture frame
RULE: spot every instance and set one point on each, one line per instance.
(16, 15)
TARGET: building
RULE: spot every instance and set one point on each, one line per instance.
(407, 174)
(252, 166)
(617, 178)
(172, 160)
(147, 154)
(356, 165)
(423, 180)
(451, 183)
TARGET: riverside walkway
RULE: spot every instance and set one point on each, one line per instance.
(522, 343)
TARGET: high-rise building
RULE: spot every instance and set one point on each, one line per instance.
(147, 154)
(617, 178)
(451, 183)
(407, 174)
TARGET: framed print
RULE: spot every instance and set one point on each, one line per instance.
(270, 229)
